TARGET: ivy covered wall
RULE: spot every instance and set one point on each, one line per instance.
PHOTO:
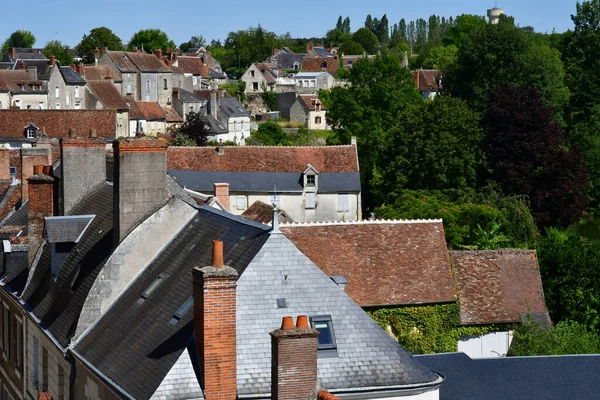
(429, 328)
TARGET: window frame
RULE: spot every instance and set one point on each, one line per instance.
(341, 208)
(237, 202)
(19, 348)
(310, 205)
(315, 319)
(311, 180)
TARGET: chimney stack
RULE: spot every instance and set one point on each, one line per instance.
(80, 68)
(96, 55)
(73, 67)
(13, 53)
(213, 104)
(22, 65)
(52, 60)
(104, 50)
(214, 290)
(140, 182)
(158, 53)
(32, 72)
(83, 169)
(222, 194)
(294, 360)
(41, 205)
(4, 164)
(31, 156)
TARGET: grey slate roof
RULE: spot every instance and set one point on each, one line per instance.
(18, 217)
(516, 378)
(66, 229)
(189, 97)
(58, 304)
(215, 126)
(367, 356)
(286, 60)
(286, 182)
(232, 107)
(139, 357)
(71, 77)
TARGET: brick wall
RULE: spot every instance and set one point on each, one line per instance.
(215, 330)
(222, 193)
(41, 205)
(4, 164)
(30, 157)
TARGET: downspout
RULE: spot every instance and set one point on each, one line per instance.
(72, 373)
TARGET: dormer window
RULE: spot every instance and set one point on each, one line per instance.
(31, 131)
(310, 180)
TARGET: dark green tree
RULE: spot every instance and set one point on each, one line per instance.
(195, 128)
(382, 30)
(351, 47)
(462, 28)
(402, 30)
(369, 23)
(98, 38)
(566, 337)
(195, 42)
(150, 40)
(20, 38)
(269, 134)
(340, 24)
(62, 52)
(367, 39)
(346, 25)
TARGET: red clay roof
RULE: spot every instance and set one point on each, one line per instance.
(58, 122)
(315, 64)
(385, 262)
(150, 110)
(264, 159)
(97, 73)
(497, 286)
(190, 65)
(148, 62)
(263, 213)
(108, 95)
(11, 80)
(171, 115)
(427, 80)
(311, 101)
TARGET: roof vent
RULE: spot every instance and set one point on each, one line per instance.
(281, 303)
(340, 281)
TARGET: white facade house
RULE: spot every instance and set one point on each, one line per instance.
(315, 81)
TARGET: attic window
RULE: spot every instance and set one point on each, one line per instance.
(31, 132)
(310, 180)
(153, 286)
(181, 311)
(326, 341)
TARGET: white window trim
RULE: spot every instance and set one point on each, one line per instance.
(244, 198)
(307, 205)
(340, 197)
(19, 320)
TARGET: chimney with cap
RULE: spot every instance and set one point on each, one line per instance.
(222, 194)
(140, 182)
(294, 360)
(83, 168)
(22, 65)
(214, 291)
(41, 205)
(96, 55)
(158, 53)
(214, 104)
(31, 156)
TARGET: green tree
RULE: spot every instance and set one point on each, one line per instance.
(150, 40)
(269, 98)
(570, 270)
(367, 39)
(566, 337)
(442, 57)
(62, 52)
(194, 128)
(20, 38)
(181, 139)
(436, 147)
(97, 39)
(462, 28)
(346, 25)
(195, 42)
(351, 47)
(268, 134)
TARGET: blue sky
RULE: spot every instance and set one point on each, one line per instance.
(69, 21)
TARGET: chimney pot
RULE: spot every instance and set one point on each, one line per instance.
(47, 170)
(287, 323)
(52, 60)
(22, 65)
(38, 169)
(217, 254)
(72, 133)
(302, 322)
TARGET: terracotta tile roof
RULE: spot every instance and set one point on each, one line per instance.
(148, 62)
(311, 101)
(427, 79)
(108, 95)
(497, 286)
(171, 115)
(122, 61)
(318, 64)
(385, 262)
(58, 122)
(263, 213)
(97, 73)
(190, 65)
(151, 111)
(19, 81)
(264, 159)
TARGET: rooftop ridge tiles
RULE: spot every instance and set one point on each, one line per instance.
(235, 218)
(360, 222)
(272, 147)
(495, 251)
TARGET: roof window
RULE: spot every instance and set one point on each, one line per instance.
(153, 286)
(326, 343)
(181, 311)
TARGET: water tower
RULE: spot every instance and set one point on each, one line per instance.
(494, 14)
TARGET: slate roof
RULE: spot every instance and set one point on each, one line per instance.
(285, 182)
(139, 357)
(189, 97)
(264, 159)
(231, 107)
(287, 60)
(427, 80)
(19, 216)
(58, 122)
(25, 53)
(97, 73)
(59, 303)
(367, 356)
(107, 93)
(386, 263)
(263, 213)
(215, 126)
(497, 286)
(572, 377)
(42, 66)
(71, 77)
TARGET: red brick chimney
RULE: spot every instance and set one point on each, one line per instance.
(22, 65)
(204, 70)
(275, 50)
(222, 193)
(214, 290)
(294, 360)
(96, 53)
(158, 53)
(52, 60)
(31, 156)
(73, 67)
(41, 205)
(13, 52)
(80, 68)
(309, 46)
(4, 164)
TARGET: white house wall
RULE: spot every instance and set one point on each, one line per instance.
(4, 101)
(493, 344)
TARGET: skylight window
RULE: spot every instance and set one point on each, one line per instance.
(326, 339)
(179, 314)
(153, 286)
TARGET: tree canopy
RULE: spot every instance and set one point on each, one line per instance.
(98, 38)
(195, 42)
(194, 128)
(367, 39)
(20, 38)
(62, 52)
(150, 40)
